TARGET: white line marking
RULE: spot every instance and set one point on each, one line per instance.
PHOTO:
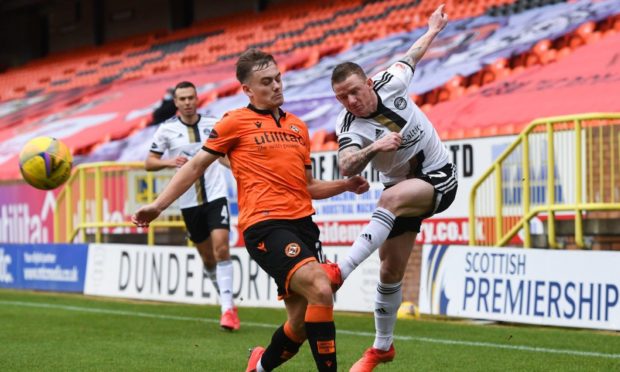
(340, 331)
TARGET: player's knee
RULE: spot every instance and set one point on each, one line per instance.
(222, 254)
(391, 275)
(322, 292)
(390, 201)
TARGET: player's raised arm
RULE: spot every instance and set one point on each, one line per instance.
(436, 22)
(181, 181)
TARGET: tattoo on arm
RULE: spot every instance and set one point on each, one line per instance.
(413, 56)
(417, 50)
(353, 161)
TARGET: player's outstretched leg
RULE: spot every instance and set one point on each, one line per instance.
(370, 239)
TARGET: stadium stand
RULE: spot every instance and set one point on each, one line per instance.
(301, 35)
(289, 28)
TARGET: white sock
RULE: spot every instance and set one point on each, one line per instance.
(212, 275)
(370, 239)
(225, 282)
(259, 367)
(387, 302)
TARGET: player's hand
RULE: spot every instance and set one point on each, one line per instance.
(144, 215)
(438, 20)
(357, 184)
(179, 161)
(389, 142)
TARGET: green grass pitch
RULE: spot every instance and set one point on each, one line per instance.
(47, 331)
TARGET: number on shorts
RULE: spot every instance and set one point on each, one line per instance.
(225, 214)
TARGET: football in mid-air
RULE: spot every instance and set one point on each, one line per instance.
(45, 163)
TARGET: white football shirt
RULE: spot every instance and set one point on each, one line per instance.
(396, 112)
(180, 139)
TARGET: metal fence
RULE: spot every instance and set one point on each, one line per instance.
(559, 167)
(82, 208)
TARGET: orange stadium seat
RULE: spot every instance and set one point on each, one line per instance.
(312, 28)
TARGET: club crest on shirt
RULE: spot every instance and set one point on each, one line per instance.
(294, 129)
(400, 103)
(292, 250)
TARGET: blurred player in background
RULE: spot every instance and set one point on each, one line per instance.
(382, 125)
(269, 153)
(204, 205)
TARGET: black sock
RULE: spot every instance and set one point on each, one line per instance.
(321, 332)
(281, 349)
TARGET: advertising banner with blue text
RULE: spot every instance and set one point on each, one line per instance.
(535, 286)
(47, 267)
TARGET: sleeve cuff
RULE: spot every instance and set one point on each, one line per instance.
(213, 151)
(350, 145)
(406, 63)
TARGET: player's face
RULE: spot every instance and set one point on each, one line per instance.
(264, 87)
(186, 101)
(356, 94)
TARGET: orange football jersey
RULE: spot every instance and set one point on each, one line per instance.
(269, 159)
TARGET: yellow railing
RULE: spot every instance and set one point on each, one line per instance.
(563, 165)
(84, 205)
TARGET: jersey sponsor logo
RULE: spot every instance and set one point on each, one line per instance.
(292, 250)
(213, 134)
(411, 138)
(400, 103)
(258, 124)
(273, 137)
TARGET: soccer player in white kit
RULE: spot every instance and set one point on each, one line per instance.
(204, 206)
(382, 125)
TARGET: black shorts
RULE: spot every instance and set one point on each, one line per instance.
(204, 218)
(280, 247)
(445, 183)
